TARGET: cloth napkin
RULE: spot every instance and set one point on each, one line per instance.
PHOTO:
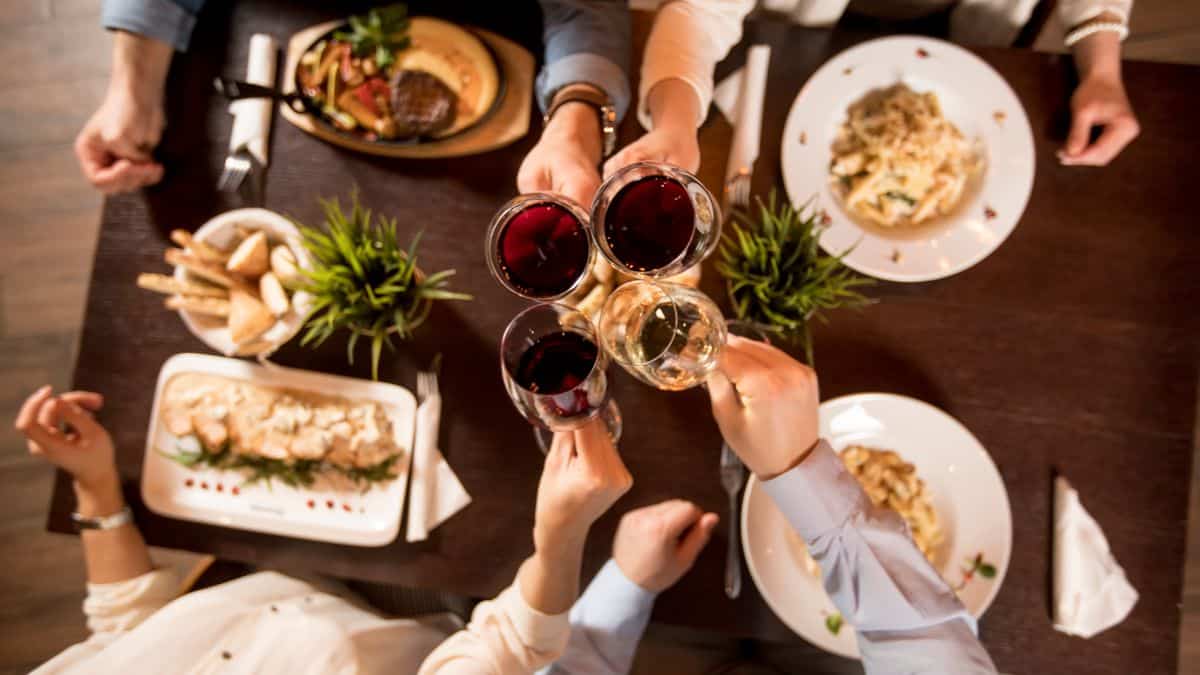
(252, 116)
(435, 493)
(748, 103)
(1091, 592)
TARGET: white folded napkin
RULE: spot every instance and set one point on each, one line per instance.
(1091, 592)
(435, 493)
(252, 116)
(747, 132)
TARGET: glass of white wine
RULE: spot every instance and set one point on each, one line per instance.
(665, 334)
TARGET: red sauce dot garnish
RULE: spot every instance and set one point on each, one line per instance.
(189, 482)
(235, 490)
(922, 53)
(220, 487)
(311, 504)
(346, 508)
(204, 485)
(329, 503)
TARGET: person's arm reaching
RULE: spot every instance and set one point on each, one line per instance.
(526, 626)
(654, 547)
(688, 39)
(907, 618)
(1100, 99)
(123, 586)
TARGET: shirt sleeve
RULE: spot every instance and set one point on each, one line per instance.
(688, 39)
(607, 623)
(1074, 12)
(505, 636)
(586, 41)
(906, 617)
(169, 21)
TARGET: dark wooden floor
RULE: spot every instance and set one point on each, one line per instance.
(56, 61)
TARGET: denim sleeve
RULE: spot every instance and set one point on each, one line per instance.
(586, 41)
(169, 21)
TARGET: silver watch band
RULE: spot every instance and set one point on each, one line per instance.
(109, 522)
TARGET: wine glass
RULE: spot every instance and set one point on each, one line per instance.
(554, 371)
(655, 220)
(665, 334)
(538, 246)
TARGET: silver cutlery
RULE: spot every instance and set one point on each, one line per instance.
(733, 476)
(427, 382)
(237, 166)
(737, 191)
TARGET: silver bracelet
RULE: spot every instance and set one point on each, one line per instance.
(109, 522)
(1088, 29)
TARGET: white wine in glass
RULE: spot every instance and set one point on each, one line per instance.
(667, 335)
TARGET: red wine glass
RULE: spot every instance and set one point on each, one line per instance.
(554, 371)
(655, 220)
(538, 246)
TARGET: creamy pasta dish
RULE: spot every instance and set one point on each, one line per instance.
(897, 161)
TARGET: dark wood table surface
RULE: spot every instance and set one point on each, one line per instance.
(1072, 348)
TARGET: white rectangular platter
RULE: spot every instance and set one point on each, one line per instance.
(222, 497)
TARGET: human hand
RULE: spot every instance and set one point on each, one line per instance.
(1099, 101)
(656, 545)
(583, 477)
(565, 160)
(62, 430)
(765, 403)
(674, 110)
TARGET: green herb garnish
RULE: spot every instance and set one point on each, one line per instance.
(380, 33)
(294, 472)
(776, 274)
(900, 196)
(833, 623)
(361, 280)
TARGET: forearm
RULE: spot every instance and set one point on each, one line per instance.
(139, 67)
(673, 104)
(549, 579)
(110, 555)
(1098, 56)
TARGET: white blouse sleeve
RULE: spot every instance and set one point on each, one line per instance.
(505, 636)
(1074, 12)
(688, 39)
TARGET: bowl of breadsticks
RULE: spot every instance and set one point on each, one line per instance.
(237, 281)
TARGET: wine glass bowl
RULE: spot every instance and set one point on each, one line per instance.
(654, 220)
(538, 246)
(553, 368)
(666, 335)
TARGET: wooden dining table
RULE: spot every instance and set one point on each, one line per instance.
(1071, 350)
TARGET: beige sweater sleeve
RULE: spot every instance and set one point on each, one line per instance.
(505, 636)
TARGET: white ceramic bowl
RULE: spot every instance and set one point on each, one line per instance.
(968, 495)
(221, 232)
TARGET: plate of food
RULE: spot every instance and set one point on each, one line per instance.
(908, 456)
(277, 450)
(918, 154)
(238, 282)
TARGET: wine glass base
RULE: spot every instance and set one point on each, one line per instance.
(612, 420)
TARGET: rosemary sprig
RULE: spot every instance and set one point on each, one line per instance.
(776, 274)
(295, 473)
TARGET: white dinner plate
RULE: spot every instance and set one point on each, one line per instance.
(207, 495)
(973, 96)
(221, 231)
(968, 495)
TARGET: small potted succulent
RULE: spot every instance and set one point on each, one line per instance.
(361, 280)
(778, 277)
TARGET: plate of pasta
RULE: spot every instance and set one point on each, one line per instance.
(909, 457)
(917, 153)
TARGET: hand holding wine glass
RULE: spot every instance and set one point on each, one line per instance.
(765, 403)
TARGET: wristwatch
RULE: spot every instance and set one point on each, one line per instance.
(109, 522)
(583, 93)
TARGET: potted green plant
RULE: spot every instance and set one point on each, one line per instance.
(361, 280)
(776, 274)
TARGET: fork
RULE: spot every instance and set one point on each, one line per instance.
(427, 381)
(737, 191)
(237, 167)
(733, 475)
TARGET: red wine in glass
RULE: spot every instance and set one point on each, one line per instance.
(555, 365)
(543, 251)
(649, 223)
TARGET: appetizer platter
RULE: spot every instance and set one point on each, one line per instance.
(918, 155)
(386, 84)
(909, 457)
(237, 281)
(276, 450)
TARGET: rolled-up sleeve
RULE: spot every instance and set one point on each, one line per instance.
(586, 41)
(907, 618)
(505, 636)
(1074, 12)
(169, 21)
(688, 39)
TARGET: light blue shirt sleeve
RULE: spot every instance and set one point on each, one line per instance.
(908, 620)
(169, 21)
(586, 41)
(607, 623)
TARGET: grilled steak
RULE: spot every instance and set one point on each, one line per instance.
(422, 104)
